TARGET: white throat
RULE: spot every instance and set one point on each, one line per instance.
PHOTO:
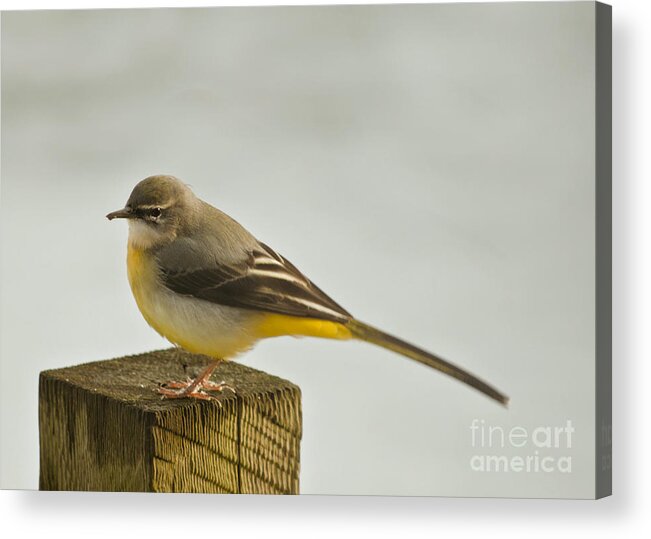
(142, 235)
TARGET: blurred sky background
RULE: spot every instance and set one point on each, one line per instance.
(430, 167)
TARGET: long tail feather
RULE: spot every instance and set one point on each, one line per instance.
(370, 334)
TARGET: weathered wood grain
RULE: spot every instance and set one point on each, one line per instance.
(103, 427)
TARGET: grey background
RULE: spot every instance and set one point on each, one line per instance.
(430, 167)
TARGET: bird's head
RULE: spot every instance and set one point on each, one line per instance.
(156, 210)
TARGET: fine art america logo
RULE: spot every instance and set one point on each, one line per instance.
(543, 449)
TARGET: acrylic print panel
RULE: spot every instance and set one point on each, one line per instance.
(431, 167)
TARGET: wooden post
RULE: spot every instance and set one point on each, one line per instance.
(103, 427)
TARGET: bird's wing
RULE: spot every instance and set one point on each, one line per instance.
(262, 281)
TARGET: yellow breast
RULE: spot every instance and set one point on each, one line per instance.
(197, 326)
(206, 328)
(143, 280)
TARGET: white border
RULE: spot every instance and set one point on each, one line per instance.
(624, 514)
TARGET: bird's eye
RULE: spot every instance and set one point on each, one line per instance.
(155, 212)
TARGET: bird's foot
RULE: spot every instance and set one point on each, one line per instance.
(199, 388)
(179, 390)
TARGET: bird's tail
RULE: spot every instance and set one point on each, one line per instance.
(364, 332)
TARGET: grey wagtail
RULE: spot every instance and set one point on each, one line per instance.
(206, 284)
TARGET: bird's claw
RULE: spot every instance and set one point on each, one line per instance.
(188, 389)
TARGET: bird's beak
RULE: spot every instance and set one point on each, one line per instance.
(124, 213)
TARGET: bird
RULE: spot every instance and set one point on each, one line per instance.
(206, 284)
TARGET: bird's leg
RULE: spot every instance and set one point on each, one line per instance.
(194, 388)
(178, 352)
